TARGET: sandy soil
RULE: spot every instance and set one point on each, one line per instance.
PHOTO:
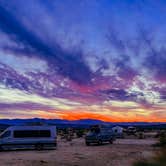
(122, 153)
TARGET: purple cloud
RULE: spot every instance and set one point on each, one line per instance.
(68, 64)
(25, 106)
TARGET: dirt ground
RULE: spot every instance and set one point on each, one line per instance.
(122, 153)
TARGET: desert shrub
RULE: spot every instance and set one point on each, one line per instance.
(162, 139)
(141, 135)
(143, 163)
(79, 133)
(158, 160)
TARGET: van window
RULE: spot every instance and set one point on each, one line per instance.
(45, 133)
(31, 133)
(6, 134)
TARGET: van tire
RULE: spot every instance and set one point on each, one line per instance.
(1, 148)
(87, 143)
(111, 141)
(39, 146)
(100, 142)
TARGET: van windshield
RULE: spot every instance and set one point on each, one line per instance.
(5, 134)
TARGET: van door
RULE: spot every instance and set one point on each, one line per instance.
(6, 138)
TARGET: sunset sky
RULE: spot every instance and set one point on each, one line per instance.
(83, 59)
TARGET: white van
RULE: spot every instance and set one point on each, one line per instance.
(25, 137)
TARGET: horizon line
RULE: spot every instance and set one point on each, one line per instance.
(85, 119)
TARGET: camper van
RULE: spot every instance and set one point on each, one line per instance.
(25, 137)
(99, 135)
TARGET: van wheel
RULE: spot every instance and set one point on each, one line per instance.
(39, 147)
(1, 148)
(87, 143)
(100, 142)
(111, 141)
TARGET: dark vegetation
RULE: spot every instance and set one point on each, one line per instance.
(160, 157)
(158, 160)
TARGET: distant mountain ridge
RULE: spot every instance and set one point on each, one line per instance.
(76, 122)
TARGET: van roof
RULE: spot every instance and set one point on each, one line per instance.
(31, 127)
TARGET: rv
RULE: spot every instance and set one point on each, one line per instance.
(25, 137)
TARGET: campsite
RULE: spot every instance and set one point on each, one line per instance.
(74, 153)
(72, 150)
(82, 82)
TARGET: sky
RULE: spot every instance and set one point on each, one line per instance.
(83, 59)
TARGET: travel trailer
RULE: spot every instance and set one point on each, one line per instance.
(118, 131)
(25, 137)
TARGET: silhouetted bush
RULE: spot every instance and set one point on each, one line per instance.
(158, 160)
(79, 133)
(141, 135)
(162, 139)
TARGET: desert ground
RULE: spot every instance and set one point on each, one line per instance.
(122, 153)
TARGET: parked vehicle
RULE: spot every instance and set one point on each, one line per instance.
(131, 130)
(25, 137)
(99, 137)
(118, 131)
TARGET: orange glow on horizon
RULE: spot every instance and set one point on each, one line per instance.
(77, 115)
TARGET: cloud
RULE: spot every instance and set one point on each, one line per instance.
(25, 106)
(68, 64)
(155, 58)
(23, 64)
(57, 56)
(120, 94)
(9, 95)
(156, 62)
